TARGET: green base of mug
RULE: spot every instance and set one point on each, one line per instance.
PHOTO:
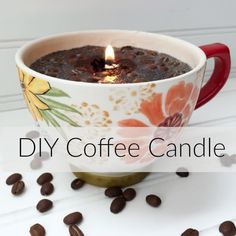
(109, 181)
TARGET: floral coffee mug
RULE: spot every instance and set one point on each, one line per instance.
(168, 102)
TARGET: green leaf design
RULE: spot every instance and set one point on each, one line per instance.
(57, 105)
(55, 92)
(63, 117)
(48, 117)
(44, 116)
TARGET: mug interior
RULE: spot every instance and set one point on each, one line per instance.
(177, 48)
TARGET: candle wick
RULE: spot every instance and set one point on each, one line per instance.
(110, 64)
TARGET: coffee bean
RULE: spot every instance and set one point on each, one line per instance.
(148, 61)
(127, 65)
(152, 53)
(129, 194)
(153, 200)
(77, 183)
(44, 178)
(75, 231)
(176, 63)
(175, 74)
(228, 228)
(117, 205)
(162, 68)
(37, 230)
(164, 59)
(13, 178)
(73, 218)
(18, 188)
(47, 189)
(190, 232)
(153, 66)
(113, 192)
(182, 172)
(33, 134)
(44, 205)
(126, 48)
(139, 53)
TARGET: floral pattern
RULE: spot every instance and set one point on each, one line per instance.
(172, 121)
(118, 98)
(38, 93)
(32, 87)
(162, 111)
(93, 115)
(172, 110)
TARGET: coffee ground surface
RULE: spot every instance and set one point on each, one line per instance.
(131, 65)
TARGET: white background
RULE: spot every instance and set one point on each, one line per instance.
(202, 200)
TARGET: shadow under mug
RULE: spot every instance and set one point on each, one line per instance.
(167, 102)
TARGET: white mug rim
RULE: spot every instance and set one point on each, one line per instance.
(20, 63)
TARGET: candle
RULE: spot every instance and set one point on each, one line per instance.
(96, 64)
(110, 58)
(110, 65)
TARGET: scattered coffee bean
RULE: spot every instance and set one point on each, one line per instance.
(44, 205)
(153, 200)
(37, 230)
(18, 188)
(182, 172)
(117, 205)
(47, 189)
(33, 134)
(129, 194)
(73, 218)
(75, 231)
(113, 192)
(13, 178)
(228, 228)
(190, 232)
(77, 184)
(44, 178)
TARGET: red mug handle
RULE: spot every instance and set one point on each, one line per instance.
(220, 73)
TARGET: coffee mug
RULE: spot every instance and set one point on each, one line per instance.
(168, 102)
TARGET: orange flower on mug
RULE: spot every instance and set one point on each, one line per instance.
(172, 110)
(31, 88)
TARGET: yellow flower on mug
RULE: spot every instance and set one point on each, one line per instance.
(31, 88)
(41, 99)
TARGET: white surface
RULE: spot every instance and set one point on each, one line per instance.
(28, 19)
(201, 201)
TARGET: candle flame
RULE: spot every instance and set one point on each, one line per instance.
(109, 54)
